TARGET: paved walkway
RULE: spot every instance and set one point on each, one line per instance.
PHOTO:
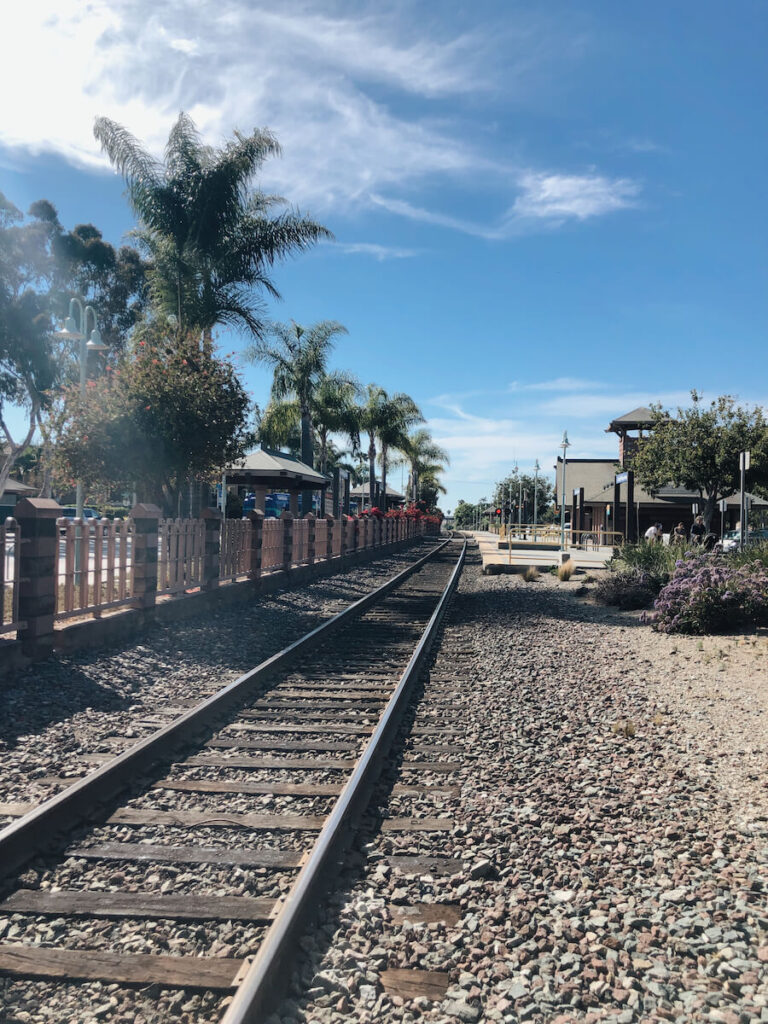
(517, 560)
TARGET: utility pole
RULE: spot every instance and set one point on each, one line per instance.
(743, 466)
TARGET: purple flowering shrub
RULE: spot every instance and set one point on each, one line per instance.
(707, 594)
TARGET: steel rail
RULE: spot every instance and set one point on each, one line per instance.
(37, 830)
(261, 988)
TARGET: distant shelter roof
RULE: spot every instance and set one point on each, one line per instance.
(363, 491)
(639, 419)
(17, 487)
(266, 467)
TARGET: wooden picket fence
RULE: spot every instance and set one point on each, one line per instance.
(10, 538)
(94, 566)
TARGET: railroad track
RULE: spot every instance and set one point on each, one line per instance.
(194, 860)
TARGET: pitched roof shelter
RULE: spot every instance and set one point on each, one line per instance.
(274, 470)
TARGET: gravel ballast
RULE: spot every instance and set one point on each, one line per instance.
(610, 868)
(101, 701)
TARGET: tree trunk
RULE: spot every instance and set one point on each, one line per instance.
(323, 450)
(709, 509)
(371, 467)
(14, 450)
(384, 453)
(306, 457)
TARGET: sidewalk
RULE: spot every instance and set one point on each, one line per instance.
(517, 561)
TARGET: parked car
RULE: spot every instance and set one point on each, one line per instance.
(732, 539)
(88, 513)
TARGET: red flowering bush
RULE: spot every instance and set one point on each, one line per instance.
(172, 411)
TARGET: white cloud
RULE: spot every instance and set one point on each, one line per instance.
(379, 252)
(557, 384)
(235, 63)
(558, 197)
(545, 200)
(348, 89)
(609, 404)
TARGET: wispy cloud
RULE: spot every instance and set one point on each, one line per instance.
(544, 200)
(558, 197)
(379, 252)
(588, 405)
(557, 384)
(348, 88)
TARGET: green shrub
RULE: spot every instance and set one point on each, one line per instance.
(752, 553)
(627, 589)
(115, 511)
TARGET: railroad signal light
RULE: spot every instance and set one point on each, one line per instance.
(498, 511)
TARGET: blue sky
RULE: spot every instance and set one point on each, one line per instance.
(546, 214)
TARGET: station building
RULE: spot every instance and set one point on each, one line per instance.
(603, 497)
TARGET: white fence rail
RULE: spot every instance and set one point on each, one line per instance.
(94, 566)
(180, 555)
(9, 575)
(235, 548)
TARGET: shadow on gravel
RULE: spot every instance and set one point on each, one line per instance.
(540, 604)
(51, 694)
(232, 640)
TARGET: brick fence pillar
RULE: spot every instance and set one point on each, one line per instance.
(287, 520)
(310, 517)
(356, 533)
(329, 538)
(38, 557)
(345, 531)
(145, 543)
(212, 550)
(256, 517)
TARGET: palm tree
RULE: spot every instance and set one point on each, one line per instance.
(425, 458)
(400, 414)
(333, 412)
(332, 406)
(212, 238)
(280, 426)
(299, 357)
(384, 419)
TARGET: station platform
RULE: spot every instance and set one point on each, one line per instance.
(518, 559)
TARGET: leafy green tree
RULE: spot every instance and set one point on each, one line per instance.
(28, 367)
(166, 412)
(464, 514)
(212, 237)
(299, 360)
(699, 450)
(113, 281)
(543, 487)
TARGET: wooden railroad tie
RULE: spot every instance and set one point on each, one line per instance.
(123, 968)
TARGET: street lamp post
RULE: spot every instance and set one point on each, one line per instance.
(511, 506)
(78, 331)
(536, 468)
(565, 444)
(519, 504)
